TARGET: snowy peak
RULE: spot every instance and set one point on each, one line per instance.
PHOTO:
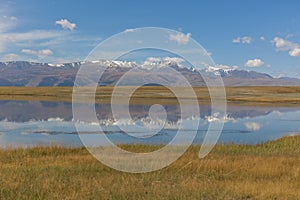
(154, 62)
(227, 72)
(22, 73)
(220, 70)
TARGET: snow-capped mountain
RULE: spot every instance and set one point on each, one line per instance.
(219, 70)
(22, 73)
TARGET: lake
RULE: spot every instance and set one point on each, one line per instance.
(35, 123)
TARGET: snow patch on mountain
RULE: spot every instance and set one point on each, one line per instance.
(218, 70)
(149, 63)
(55, 65)
(156, 62)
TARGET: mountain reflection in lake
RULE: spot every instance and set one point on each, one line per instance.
(30, 123)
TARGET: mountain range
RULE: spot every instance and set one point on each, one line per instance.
(23, 73)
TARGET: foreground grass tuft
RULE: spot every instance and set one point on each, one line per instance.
(266, 171)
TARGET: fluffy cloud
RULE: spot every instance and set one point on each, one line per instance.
(254, 63)
(286, 45)
(295, 52)
(283, 45)
(180, 38)
(65, 24)
(244, 40)
(262, 38)
(253, 126)
(39, 53)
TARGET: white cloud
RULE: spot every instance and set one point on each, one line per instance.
(129, 30)
(243, 40)
(236, 40)
(253, 126)
(7, 23)
(262, 38)
(30, 40)
(283, 45)
(295, 52)
(39, 53)
(12, 18)
(32, 35)
(45, 52)
(10, 38)
(65, 24)
(180, 38)
(39, 41)
(7, 20)
(286, 45)
(254, 63)
(246, 40)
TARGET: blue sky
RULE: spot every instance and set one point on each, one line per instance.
(253, 35)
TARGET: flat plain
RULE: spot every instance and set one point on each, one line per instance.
(254, 95)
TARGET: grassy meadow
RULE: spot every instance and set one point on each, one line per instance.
(266, 171)
(260, 95)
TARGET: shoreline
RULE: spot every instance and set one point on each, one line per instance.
(147, 146)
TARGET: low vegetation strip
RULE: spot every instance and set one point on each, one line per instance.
(266, 171)
(271, 95)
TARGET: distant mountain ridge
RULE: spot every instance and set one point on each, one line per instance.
(23, 73)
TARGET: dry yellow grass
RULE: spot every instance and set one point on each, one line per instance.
(266, 171)
(269, 95)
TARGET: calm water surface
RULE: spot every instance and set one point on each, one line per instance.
(30, 123)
